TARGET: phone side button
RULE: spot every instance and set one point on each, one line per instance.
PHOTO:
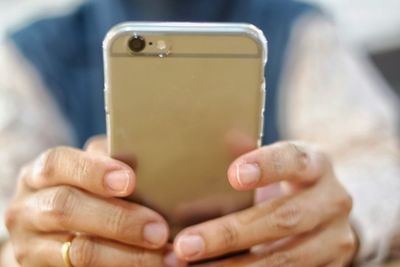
(263, 94)
(262, 125)
(106, 105)
(108, 125)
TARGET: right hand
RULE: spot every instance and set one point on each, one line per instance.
(66, 191)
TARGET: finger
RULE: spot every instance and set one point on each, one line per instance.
(303, 251)
(265, 222)
(41, 251)
(282, 161)
(69, 209)
(327, 246)
(87, 252)
(97, 144)
(91, 172)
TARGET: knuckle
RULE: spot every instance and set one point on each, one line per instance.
(229, 233)
(305, 160)
(277, 164)
(292, 155)
(83, 252)
(45, 164)
(299, 157)
(11, 217)
(288, 217)
(61, 202)
(85, 166)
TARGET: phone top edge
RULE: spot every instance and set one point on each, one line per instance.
(247, 29)
(250, 30)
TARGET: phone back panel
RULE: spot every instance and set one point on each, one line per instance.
(182, 110)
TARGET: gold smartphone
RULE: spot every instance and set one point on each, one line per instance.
(183, 100)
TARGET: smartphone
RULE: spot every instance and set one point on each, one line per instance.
(182, 101)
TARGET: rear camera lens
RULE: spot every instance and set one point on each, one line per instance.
(137, 43)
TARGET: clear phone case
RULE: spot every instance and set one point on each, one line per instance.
(182, 109)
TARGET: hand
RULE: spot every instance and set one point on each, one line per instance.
(67, 191)
(306, 225)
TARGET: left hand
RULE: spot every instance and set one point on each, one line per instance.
(307, 225)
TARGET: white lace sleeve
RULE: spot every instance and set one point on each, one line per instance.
(29, 120)
(333, 97)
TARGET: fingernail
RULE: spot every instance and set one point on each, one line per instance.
(155, 233)
(118, 181)
(190, 246)
(170, 260)
(248, 174)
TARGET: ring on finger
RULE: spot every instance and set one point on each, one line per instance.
(65, 254)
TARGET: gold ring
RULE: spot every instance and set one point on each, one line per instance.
(65, 254)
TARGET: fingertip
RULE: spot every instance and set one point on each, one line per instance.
(120, 182)
(171, 260)
(189, 246)
(96, 144)
(244, 176)
(156, 234)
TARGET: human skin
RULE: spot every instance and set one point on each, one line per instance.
(65, 191)
(306, 224)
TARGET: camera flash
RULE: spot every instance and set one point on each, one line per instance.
(162, 45)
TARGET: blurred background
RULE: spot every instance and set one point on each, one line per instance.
(372, 26)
